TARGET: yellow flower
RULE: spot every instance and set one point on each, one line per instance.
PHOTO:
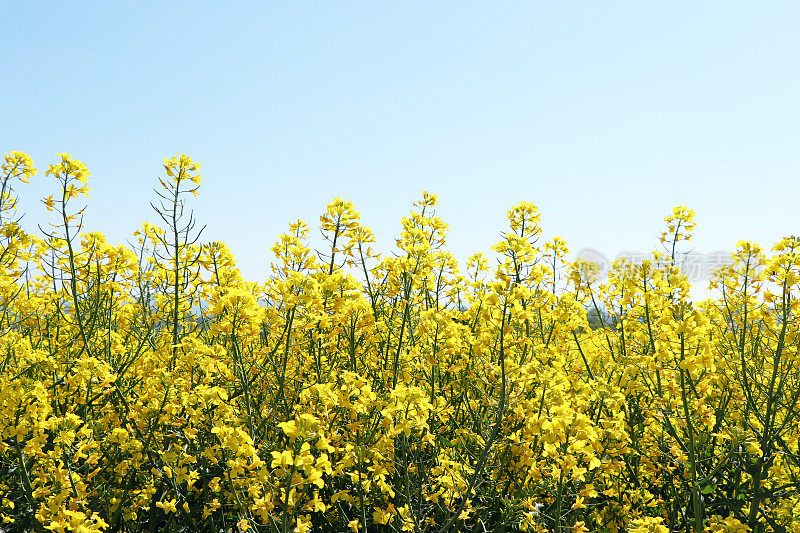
(168, 506)
(381, 516)
(18, 165)
(648, 525)
(290, 428)
(282, 459)
(580, 527)
(303, 524)
(181, 167)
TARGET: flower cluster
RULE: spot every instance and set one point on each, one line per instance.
(151, 387)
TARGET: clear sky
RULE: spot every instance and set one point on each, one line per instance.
(604, 114)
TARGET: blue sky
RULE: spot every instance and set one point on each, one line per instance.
(604, 114)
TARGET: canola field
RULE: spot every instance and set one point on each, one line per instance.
(149, 387)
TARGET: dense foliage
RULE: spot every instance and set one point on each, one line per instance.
(151, 387)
